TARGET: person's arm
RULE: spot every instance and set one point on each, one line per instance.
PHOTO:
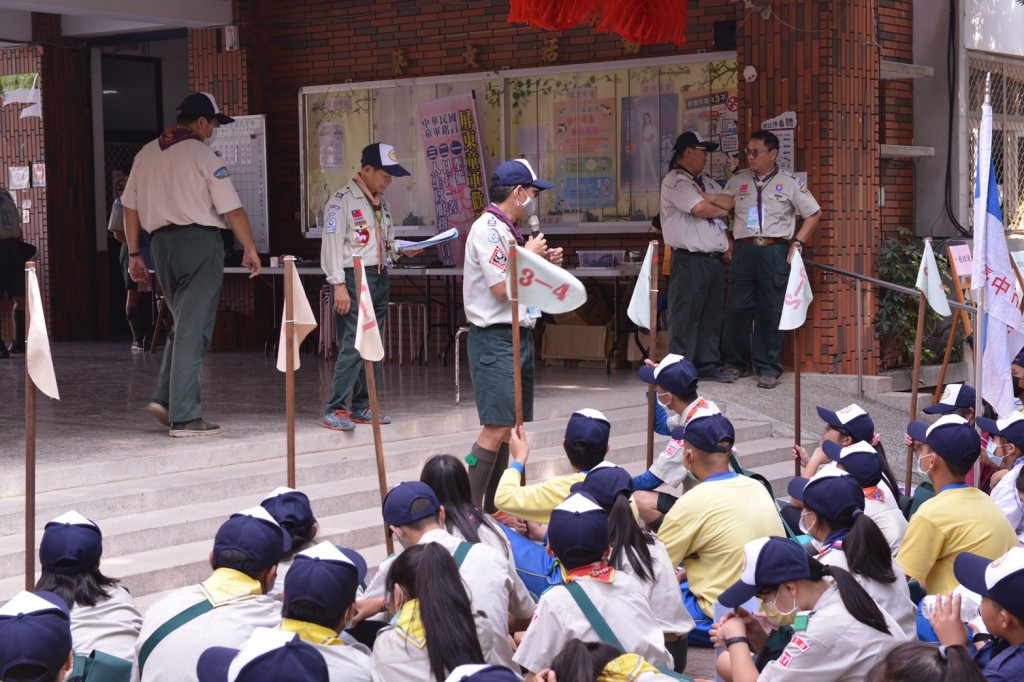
(132, 229)
(531, 502)
(239, 222)
(733, 632)
(688, 199)
(333, 248)
(646, 481)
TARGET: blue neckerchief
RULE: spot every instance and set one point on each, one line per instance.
(834, 540)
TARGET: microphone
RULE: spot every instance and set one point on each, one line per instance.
(534, 223)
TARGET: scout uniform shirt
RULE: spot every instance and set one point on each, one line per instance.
(1004, 494)
(178, 180)
(680, 192)
(536, 501)
(486, 264)
(239, 608)
(620, 600)
(835, 647)
(352, 227)
(345, 662)
(662, 592)
(669, 465)
(881, 507)
(768, 207)
(111, 626)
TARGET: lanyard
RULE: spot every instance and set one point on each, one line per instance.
(759, 185)
(497, 213)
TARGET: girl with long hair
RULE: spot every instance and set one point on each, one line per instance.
(447, 477)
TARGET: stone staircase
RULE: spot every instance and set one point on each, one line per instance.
(159, 510)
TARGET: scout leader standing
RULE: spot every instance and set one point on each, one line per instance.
(357, 222)
(767, 201)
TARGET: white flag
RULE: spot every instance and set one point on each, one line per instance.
(929, 280)
(546, 286)
(305, 322)
(1002, 330)
(367, 330)
(640, 304)
(37, 350)
(798, 295)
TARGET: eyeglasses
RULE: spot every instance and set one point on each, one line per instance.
(754, 153)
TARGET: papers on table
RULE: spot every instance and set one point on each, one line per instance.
(403, 245)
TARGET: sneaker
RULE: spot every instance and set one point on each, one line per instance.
(736, 373)
(159, 412)
(17, 348)
(365, 416)
(338, 420)
(723, 376)
(137, 347)
(196, 427)
(767, 381)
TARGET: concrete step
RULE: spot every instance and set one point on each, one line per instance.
(901, 401)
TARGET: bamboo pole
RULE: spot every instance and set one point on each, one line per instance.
(289, 348)
(796, 395)
(517, 371)
(30, 452)
(915, 379)
(652, 392)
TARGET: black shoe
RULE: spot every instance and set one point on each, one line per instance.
(196, 427)
(767, 381)
(18, 348)
(723, 376)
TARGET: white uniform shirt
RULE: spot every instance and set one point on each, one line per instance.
(835, 647)
(783, 198)
(663, 593)
(683, 230)
(888, 516)
(622, 603)
(893, 598)
(669, 465)
(486, 264)
(346, 663)
(1004, 494)
(395, 659)
(351, 229)
(499, 543)
(184, 184)
(229, 625)
(111, 626)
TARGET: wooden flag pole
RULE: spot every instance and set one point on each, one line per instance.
(922, 309)
(652, 392)
(371, 388)
(30, 454)
(289, 349)
(796, 395)
(517, 371)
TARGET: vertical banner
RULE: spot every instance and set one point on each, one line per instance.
(585, 145)
(450, 133)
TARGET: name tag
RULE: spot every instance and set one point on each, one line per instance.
(720, 224)
(754, 221)
(533, 313)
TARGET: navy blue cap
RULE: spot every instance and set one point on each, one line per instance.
(674, 373)
(588, 426)
(693, 139)
(255, 534)
(1011, 428)
(860, 460)
(35, 630)
(1001, 580)
(832, 494)
(475, 672)
(578, 531)
(398, 505)
(383, 156)
(71, 544)
(707, 430)
(767, 562)
(203, 104)
(951, 437)
(327, 576)
(953, 397)
(292, 510)
(269, 655)
(1019, 360)
(605, 482)
(518, 172)
(852, 419)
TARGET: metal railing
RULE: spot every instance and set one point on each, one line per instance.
(858, 280)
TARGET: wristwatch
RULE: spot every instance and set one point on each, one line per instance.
(134, 254)
(737, 640)
(797, 240)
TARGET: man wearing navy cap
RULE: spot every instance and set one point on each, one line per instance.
(35, 638)
(708, 526)
(188, 252)
(960, 518)
(223, 609)
(696, 231)
(357, 222)
(514, 193)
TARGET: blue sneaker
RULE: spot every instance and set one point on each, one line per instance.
(365, 416)
(338, 420)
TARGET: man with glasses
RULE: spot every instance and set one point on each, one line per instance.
(696, 231)
(767, 201)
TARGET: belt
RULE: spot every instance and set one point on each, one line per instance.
(766, 241)
(171, 228)
(706, 254)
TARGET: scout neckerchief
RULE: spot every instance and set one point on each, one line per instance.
(500, 215)
(311, 632)
(834, 540)
(874, 493)
(599, 571)
(173, 136)
(696, 178)
(692, 408)
(759, 185)
(227, 586)
(625, 668)
(409, 625)
(377, 209)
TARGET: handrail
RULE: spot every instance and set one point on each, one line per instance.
(888, 285)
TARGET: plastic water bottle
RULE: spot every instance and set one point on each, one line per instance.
(969, 610)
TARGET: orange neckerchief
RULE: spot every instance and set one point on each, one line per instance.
(874, 493)
(599, 571)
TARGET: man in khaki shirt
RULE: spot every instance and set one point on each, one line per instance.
(767, 201)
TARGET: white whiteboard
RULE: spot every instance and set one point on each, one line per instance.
(243, 146)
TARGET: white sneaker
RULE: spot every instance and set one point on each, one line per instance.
(138, 347)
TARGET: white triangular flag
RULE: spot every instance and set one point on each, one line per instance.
(929, 280)
(367, 330)
(640, 304)
(37, 349)
(305, 322)
(798, 295)
(545, 286)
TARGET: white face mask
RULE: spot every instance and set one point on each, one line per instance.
(529, 205)
(213, 135)
(917, 466)
(991, 450)
(668, 399)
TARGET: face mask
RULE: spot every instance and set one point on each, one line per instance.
(991, 450)
(529, 206)
(666, 401)
(803, 527)
(213, 135)
(780, 618)
(918, 468)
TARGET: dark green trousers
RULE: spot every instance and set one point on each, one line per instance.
(696, 293)
(349, 369)
(757, 289)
